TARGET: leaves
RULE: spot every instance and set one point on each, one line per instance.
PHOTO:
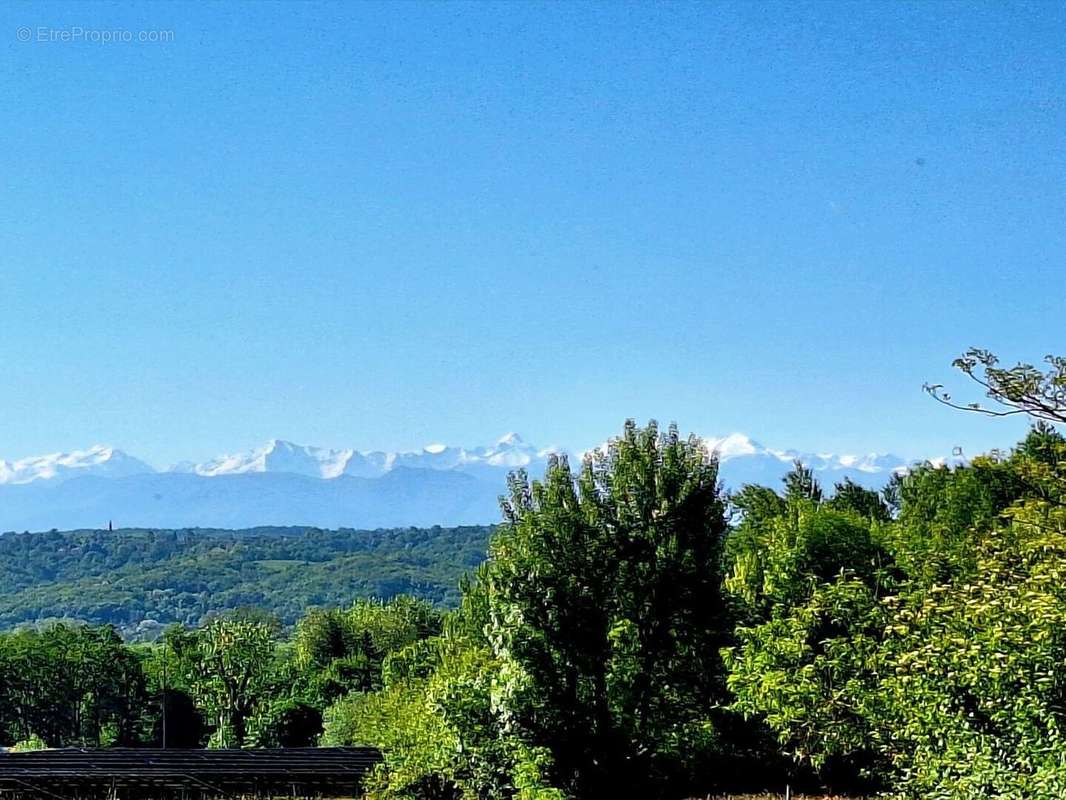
(1019, 390)
(942, 672)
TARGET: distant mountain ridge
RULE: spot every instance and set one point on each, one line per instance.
(277, 455)
(282, 483)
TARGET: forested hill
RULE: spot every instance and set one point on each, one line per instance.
(140, 580)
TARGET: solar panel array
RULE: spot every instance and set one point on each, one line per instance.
(147, 773)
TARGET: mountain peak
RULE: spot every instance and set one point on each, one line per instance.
(280, 444)
(99, 459)
(733, 445)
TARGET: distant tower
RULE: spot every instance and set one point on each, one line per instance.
(109, 527)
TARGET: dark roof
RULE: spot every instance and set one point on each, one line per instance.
(127, 772)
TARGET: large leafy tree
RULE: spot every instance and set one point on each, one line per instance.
(229, 665)
(436, 719)
(342, 650)
(944, 512)
(781, 545)
(805, 576)
(584, 659)
(606, 611)
(971, 698)
(70, 685)
(850, 496)
(336, 652)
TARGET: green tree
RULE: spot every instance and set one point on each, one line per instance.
(774, 559)
(850, 496)
(939, 673)
(228, 665)
(944, 510)
(806, 582)
(800, 484)
(436, 719)
(606, 612)
(71, 685)
(807, 672)
(342, 650)
(584, 658)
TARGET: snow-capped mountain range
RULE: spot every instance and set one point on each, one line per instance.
(283, 483)
(508, 452)
(99, 460)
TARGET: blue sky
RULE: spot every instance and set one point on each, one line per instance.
(383, 225)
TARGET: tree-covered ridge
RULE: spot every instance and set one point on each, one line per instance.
(127, 577)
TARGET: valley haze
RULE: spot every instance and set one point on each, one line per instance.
(283, 483)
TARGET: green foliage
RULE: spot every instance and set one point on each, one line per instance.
(437, 723)
(805, 582)
(943, 511)
(33, 742)
(231, 683)
(974, 672)
(940, 673)
(283, 721)
(606, 613)
(850, 496)
(143, 581)
(439, 732)
(228, 665)
(775, 560)
(583, 661)
(754, 503)
(1021, 389)
(70, 685)
(339, 651)
(805, 671)
(800, 484)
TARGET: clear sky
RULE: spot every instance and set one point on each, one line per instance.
(384, 225)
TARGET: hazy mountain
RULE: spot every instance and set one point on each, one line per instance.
(746, 461)
(401, 497)
(283, 483)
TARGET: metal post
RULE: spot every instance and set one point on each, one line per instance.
(164, 693)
